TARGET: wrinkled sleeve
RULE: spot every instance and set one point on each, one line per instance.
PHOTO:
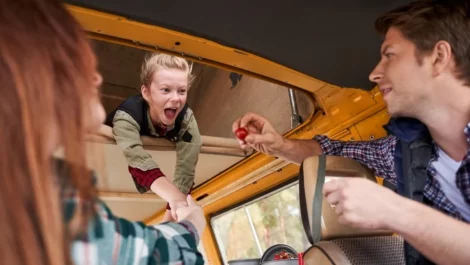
(377, 155)
(187, 154)
(126, 133)
(144, 170)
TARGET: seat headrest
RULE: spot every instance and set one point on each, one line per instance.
(319, 219)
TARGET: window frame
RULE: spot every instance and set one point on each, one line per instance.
(252, 199)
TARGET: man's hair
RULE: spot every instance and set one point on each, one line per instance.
(156, 61)
(427, 22)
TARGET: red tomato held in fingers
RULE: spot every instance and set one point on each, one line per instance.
(241, 133)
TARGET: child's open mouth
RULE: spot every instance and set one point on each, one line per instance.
(170, 113)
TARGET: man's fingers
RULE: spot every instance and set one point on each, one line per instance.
(236, 125)
(339, 208)
(251, 118)
(252, 129)
(332, 192)
(245, 147)
(333, 198)
(253, 139)
(332, 186)
(329, 187)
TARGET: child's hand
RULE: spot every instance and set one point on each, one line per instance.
(192, 213)
(167, 191)
(175, 205)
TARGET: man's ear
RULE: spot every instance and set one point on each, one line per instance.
(145, 92)
(442, 57)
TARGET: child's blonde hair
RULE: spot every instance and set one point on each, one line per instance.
(155, 61)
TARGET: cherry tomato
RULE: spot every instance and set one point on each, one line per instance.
(241, 133)
(277, 257)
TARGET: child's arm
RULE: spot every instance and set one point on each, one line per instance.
(187, 153)
(126, 133)
(144, 170)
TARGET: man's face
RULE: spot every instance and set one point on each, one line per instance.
(166, 95)
(404, 83)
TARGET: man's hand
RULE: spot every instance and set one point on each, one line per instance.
(362, 203)
(261, 134)
(265, 139)
(192, 213)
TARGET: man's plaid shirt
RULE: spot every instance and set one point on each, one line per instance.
(378, 156)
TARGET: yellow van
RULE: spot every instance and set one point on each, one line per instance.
(303, 64)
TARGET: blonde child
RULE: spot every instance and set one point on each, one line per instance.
(160, 111)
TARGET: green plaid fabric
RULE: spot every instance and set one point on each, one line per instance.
(113, 240)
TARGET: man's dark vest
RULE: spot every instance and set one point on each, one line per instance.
(412, 155)
(137, 107)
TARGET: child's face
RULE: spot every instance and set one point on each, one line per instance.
(166, 95)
